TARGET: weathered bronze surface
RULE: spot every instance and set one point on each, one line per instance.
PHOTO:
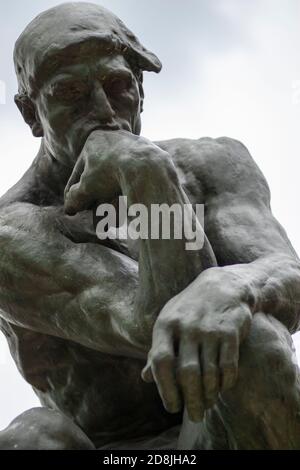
(82, 315)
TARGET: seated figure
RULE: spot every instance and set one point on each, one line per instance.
(138, 344)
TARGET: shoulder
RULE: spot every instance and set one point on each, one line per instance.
(213, 153)
(222, 165)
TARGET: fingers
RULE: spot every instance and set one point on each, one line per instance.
(77, 198)
(228, 362)
(189, 378)
(201, 381)
(210, 371)
(76, 174)
(161, 367)
(207, 365)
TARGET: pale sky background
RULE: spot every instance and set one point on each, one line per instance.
(230, 67)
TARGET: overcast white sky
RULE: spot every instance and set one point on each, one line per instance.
(230, 67)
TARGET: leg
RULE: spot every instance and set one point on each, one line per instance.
(43, 429)
(263, 410)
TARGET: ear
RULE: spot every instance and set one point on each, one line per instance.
(28, 111)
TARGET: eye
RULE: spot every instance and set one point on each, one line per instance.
(118, 85)
(70, 91)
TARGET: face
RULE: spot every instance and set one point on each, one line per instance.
(89, 93)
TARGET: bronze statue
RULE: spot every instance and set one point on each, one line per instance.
(82, 315)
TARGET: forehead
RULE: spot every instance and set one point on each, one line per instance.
(81, 59)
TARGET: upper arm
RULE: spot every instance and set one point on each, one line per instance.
(238, 219)
(54, 286)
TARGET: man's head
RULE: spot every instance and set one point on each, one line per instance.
(79, 68)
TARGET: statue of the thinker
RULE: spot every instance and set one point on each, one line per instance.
(138, 344)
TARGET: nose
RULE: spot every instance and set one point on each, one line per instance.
(102, 109)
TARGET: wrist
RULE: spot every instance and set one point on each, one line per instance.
(230, 282)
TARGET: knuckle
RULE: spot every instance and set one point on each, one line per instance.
(210, 335)
(167, 323)
(161, 358)
(191, 330)
(188, 369)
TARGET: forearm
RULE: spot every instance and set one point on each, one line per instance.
(166, 266)
(113, 163)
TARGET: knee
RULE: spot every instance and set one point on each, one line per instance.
(267, 357)
(44, 429)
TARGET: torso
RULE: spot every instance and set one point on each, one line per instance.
(103, 394)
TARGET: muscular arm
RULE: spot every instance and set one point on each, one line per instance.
(89, 293)
(54, 286)
(258, 271)
(249, 243)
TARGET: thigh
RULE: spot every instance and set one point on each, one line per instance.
(43, 429)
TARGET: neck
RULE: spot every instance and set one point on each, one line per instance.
(43, 183)
(52, 174)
